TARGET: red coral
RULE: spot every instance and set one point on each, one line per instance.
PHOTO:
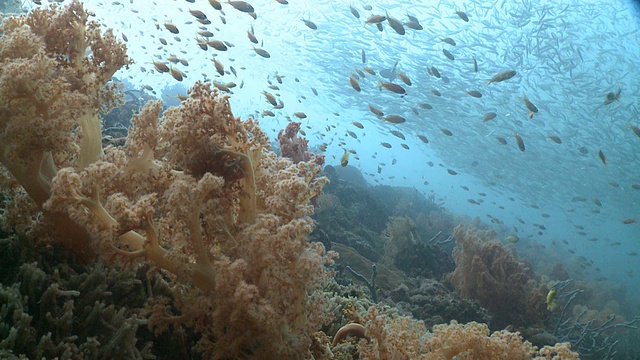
(296, 147)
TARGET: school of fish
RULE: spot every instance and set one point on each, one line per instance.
(510, 105)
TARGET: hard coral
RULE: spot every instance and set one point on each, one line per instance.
(53, 307)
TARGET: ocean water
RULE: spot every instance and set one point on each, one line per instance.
(574, 192)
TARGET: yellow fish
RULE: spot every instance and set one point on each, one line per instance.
(344, 161)
(511, 239)
(552, 302)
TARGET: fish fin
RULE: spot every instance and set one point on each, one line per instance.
(597, 107)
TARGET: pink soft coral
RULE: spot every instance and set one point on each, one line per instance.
(199, 194)
(55, 65)
(393, 337)
(196, 193)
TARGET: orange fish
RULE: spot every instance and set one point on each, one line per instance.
(520, 142)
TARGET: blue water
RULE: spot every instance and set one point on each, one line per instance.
(568, 56)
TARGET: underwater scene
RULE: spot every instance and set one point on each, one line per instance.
(318, 179)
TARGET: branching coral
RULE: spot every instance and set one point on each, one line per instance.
(53, 307)
(488, 272)
(596, 334)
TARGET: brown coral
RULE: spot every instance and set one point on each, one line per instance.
(295, 147)
(492, 274)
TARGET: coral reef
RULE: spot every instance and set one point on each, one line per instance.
(221, 213)
(433, 303)
(406, 250)
(594, 333)
(424, 298)
(394, 337)
(436, 222)
(193, 233)
(196, 193)
(399, 235)
(53, 85)
(388, 278)
(492, 274)
(53, 307)
(356, 218)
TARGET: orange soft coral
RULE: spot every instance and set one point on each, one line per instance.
(197, 193)
(395, 337)
(200, 194)
(55, 65)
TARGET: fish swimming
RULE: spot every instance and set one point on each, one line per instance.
(532, 108)
(519, 141)
(499, 77)
(395, 25)
(394, 119)
(462, 16)
(241, 6)
(395, 88)
(344, 160)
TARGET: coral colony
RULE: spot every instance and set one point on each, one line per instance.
(197, 201)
